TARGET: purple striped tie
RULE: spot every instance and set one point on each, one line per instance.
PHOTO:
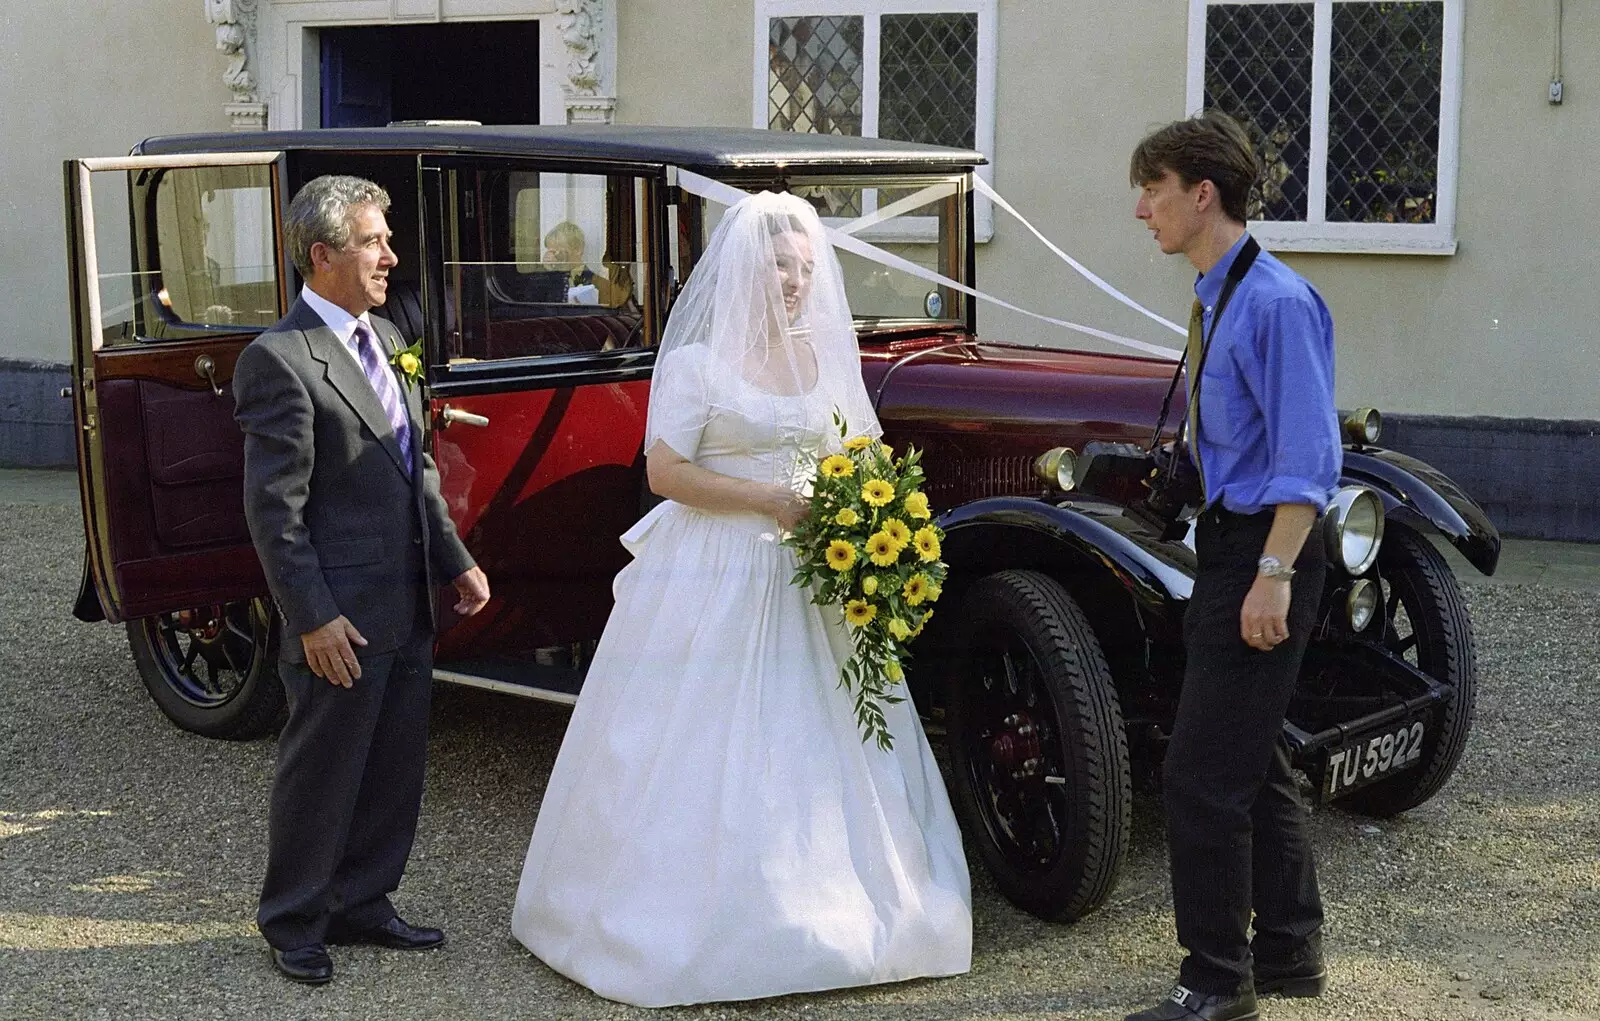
(378, 373)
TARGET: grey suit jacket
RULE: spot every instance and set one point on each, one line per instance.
(338, 525)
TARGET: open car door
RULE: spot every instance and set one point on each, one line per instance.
(175, 265)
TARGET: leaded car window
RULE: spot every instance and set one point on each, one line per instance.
(1353, 106)
(544, 263)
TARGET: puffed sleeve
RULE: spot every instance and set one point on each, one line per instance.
(679, 401)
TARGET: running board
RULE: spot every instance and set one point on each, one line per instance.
(506, 687)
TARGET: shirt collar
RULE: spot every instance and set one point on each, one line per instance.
(341, 322)
(1208, 286)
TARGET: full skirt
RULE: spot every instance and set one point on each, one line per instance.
(714, 827)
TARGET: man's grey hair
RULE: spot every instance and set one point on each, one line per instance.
(322, 211)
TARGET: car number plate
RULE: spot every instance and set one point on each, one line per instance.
(1372, 757)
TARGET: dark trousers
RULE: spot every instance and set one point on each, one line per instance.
(347, 793)
(1235, 821)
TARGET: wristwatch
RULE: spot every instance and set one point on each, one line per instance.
(1270, 566)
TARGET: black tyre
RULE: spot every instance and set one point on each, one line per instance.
(1425, 620)
(213, 670)
(1037, 746)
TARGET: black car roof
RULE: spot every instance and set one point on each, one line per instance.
(696, 148)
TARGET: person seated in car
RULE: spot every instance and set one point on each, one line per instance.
(564, 249)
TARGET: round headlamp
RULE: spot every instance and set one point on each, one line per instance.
(1363, 426)
(1361, 605)
(1057, 467)
(1353, 528)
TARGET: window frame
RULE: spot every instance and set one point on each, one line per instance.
(1315, 233)
(872, 12)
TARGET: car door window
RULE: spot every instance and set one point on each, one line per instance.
(215, 240)
(544, 263)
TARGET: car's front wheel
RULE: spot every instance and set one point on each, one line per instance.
(1425, 622)
(213, 670)
(1037, 746)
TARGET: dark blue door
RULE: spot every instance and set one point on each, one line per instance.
(357, 77)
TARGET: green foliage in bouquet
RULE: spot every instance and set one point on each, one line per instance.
(870, 547)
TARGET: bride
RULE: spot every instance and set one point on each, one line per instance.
(714, 827)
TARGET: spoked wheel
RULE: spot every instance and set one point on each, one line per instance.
(1425, 622)
(1037, 745)
(213, 670)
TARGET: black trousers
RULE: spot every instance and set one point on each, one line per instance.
(1235, 821)
(347, 794)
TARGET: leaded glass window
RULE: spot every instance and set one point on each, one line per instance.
(1354, 108)
(900, 69)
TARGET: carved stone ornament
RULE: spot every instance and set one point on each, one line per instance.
(236, 28)
(580, 31)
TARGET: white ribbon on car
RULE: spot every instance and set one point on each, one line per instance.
(843, 238)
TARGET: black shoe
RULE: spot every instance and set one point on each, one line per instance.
(310, 965)
(1185, 1005)
(1302, 974)
(396, 934)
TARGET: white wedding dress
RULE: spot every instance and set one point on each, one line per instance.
(714, 827)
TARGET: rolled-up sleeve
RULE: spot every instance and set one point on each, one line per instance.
(1292, 382)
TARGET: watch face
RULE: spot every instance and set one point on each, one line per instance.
(933, 304)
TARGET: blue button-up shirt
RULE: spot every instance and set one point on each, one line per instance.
(1268, 430)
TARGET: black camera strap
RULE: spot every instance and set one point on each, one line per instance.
(1236, 272)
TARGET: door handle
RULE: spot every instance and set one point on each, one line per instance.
(206, 368)
(452, 415)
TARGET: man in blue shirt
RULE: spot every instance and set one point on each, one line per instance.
(1262, 431)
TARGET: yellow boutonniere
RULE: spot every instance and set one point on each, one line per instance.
(408, 363)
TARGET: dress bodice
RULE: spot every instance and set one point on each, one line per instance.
(766, 437)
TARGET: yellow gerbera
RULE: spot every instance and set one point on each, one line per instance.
(897, 531)
(841, 555)
(837, 467)
(877, 492)
(846, 517)
(917, 505)
(927, 541)
(858, 443)
(893, 671)
(869, 584)
(859, 612)
(899, 629)
(882, 548)
(916, 589)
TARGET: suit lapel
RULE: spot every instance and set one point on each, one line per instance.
(345, 376)
(413, 392)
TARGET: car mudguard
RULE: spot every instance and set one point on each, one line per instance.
(1419, 495)
(1081, 535)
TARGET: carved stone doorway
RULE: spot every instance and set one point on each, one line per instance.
(479, 70)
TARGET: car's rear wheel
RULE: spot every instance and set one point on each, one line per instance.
(1425, 621)
(1037, 746)
(213, 670)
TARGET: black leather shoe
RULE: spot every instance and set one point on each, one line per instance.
(396, 934)
(310, 965)
(1185, 1005)
(1303, 974)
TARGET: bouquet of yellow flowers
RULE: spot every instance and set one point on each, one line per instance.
(869, 546)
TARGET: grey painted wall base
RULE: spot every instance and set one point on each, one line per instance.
(35, 422)
(1537, 478)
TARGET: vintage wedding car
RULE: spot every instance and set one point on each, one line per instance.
(537, 266)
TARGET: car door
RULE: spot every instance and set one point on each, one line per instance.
(174, 265)
(541, 307)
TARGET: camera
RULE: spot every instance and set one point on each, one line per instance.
(1155, 487)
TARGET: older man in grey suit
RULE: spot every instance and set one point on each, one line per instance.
(345, 513)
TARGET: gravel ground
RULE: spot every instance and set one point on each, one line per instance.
(130, 853)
